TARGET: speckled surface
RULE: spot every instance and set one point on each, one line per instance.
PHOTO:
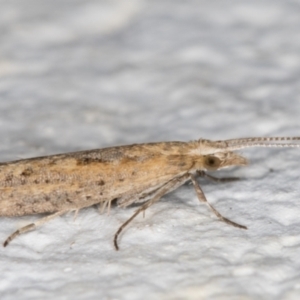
(79, 75)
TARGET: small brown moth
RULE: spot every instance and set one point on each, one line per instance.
(139, 173)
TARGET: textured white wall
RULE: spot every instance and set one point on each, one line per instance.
(87, 74)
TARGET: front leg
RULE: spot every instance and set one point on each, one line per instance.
(202, 198)
(216, 179)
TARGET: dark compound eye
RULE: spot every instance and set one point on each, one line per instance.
(212, 162)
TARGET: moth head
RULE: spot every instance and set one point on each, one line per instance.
(222, 160)
(220, 154)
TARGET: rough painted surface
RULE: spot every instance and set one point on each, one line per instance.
(80, 75)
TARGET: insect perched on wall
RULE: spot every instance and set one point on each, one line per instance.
(140, 173)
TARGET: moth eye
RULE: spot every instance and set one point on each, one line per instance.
(212, 162)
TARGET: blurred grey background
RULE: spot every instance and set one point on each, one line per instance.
(81, 74)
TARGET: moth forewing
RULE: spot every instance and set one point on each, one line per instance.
(130, 174)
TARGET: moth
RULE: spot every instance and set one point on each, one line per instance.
(139, 173)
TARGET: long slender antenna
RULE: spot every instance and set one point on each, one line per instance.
(280, 142)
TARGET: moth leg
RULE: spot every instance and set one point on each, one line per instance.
(33, 226)
(168, 187)
(75, 214)
(216, 179)
(202, 198)
(105, 205)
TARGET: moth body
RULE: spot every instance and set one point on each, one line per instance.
(140, 173)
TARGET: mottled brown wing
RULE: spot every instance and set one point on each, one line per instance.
(80, 179)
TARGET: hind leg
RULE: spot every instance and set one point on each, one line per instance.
(33, 226)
